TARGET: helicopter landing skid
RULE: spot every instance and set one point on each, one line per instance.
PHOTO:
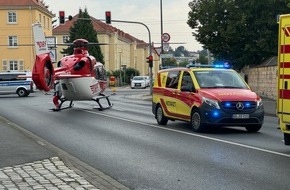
(97, 99)
(62, 100)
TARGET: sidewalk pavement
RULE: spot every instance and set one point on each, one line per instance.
(29, 162)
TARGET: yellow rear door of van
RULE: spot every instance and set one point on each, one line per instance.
(283, 94)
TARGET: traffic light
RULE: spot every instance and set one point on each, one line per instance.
(108, 17)
(150, 60)
(61, 17)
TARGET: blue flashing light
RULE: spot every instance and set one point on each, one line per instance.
(225, 66)
(247, 104)
(215, 114)
(216, 65)
(228, 104)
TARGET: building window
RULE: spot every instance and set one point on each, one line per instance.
(39, 18)
(13, 65)
(65, 39)
(48, 26)
(12, 17)
(44, 24)
(12, 41)
(4, 65)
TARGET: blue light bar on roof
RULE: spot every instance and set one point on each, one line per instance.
(222, 66)
(225, 66)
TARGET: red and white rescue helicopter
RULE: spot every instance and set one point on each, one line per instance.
(81, 77)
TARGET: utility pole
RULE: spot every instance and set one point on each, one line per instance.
(150, 47)
(161, 23)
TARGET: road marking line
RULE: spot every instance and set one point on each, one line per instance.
(192, 134)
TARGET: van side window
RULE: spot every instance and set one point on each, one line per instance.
(186, 80)
(172, 79)
(10, 77)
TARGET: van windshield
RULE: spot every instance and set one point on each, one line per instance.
(219, 79)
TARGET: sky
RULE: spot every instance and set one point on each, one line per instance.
(174, 14)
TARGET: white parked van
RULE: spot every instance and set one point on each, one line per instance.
(10, 83)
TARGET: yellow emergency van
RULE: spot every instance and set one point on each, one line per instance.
(283, 76)
(206, 97)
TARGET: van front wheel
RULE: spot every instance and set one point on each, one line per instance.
(196, 122)
(161, 119)
(253, 128)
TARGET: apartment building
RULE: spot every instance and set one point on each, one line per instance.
(16, 39)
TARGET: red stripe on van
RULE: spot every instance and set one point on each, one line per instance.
(285, 49)
(284, 64)
(284, 76)
(159, 79)
(285, 94)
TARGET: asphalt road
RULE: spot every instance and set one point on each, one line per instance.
(126, 143)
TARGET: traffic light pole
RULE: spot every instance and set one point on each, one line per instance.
(108, 13)
(150, 46)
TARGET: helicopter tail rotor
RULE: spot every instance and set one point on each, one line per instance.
(43, 72)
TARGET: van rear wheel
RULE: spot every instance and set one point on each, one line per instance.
(161, 119)
(286, 139)
(22, 92)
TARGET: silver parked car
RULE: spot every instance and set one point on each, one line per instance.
(139, 82)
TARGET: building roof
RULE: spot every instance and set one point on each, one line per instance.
(272, 61)
(20, 3)
(101, 28)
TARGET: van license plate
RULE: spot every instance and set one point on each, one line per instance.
(241, 116)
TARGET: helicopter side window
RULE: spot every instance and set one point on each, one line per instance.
(79, 65)
(59, 64)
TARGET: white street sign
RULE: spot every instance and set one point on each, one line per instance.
(166, 55)
(165, 37)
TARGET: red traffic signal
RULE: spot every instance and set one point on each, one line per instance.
(61, 17)
(150, 60)
(108, 17)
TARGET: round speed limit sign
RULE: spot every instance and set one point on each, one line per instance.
(165, 37)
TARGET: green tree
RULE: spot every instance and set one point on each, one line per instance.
(83, 28)
(202, 59)
(180, 51)
(242, 32)
(183, 64)
(169, 62)
(129, 73)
